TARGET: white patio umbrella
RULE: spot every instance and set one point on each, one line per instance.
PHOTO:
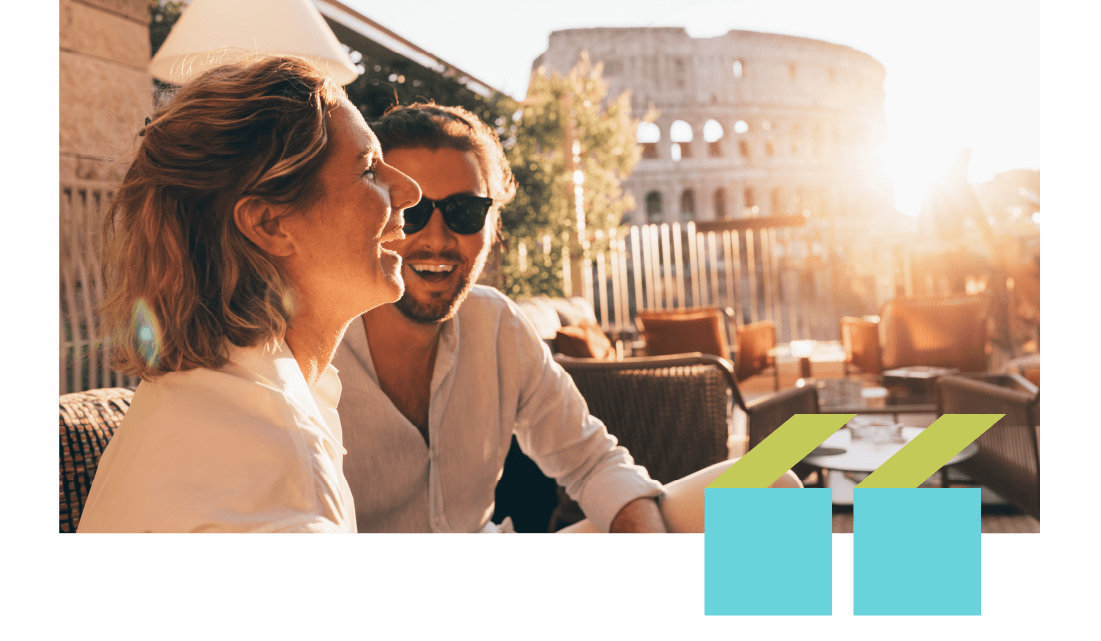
(212, 32)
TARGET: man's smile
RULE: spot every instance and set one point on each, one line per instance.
(432, 272)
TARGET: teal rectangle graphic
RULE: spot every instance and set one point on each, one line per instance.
(759, 542)
(917, 551)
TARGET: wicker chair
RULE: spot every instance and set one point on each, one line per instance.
(672, 413)
(705, 330)
(755, 344)
(764, 416)
(942, 332)
(87, 421)
(1008, 461)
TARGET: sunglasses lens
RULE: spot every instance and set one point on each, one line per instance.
(416, 217)
(466, 214)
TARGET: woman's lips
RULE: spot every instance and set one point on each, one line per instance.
(396, 232)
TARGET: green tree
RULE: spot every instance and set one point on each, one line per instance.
(558, 111)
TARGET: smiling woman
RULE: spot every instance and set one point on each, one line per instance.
(246, 236)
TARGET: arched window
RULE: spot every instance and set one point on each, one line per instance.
(795, 140)
(750, 202)
(743, 148)
(688, 205)
(712, 135)
(655, 210)
(680, 132)
(648, 136)
(778, 207)
(816, 141)
(738, 68)
(720, 204)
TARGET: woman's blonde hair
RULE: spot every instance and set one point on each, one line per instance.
(181, 278)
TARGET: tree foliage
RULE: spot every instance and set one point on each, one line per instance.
(558, 110)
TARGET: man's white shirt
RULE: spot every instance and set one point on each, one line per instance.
(493, 377)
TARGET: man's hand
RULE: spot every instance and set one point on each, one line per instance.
(640, 515)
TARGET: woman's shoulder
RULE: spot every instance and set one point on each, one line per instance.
(192, 412)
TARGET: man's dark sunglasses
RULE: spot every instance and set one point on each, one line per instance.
(463, 213)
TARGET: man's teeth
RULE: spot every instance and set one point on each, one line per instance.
(432, 268)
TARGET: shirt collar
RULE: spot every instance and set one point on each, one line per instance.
(275, 365)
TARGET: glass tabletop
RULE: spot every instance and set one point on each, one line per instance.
(841, 452)
(850, 396)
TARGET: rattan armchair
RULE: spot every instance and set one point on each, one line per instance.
(87, 421)
(765, 415)
(706, 330)
(1008, 460)
(948, 331)
(672, 413)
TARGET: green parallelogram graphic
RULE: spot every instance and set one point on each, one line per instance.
(785, 447)
(929, 451)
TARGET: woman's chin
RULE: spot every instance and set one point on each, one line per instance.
(393, 286)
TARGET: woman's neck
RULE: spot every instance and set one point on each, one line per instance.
(313, 344)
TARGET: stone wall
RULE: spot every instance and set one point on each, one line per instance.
(802, 121)
(105, 90)
(105, 94)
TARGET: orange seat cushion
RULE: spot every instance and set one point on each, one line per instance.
(586, 340)
(682, 332)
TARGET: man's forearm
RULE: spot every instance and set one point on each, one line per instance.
(640, 515)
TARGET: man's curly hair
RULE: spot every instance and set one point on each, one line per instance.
(435, 126)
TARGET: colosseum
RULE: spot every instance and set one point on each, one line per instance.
(749, 124)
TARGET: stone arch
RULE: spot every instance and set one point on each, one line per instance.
(680, 133)
(777, 201)
(649, 135)
(688, 204)
(719, 200)
(655, 208)
(713, 135)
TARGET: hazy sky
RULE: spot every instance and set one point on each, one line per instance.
(959, 74)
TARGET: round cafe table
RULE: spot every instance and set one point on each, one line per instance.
(840, 452)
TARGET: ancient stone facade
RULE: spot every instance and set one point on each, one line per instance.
(749, 124)
(105, 90)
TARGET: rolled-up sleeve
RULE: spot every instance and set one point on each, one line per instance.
(555, 429)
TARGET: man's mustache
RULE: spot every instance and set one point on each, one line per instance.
(447, 256)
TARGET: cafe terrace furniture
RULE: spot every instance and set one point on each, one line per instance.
(841, 453)
(673, 413)
(948, 331)
(705, 329)
(1008, 457)
(87, 422)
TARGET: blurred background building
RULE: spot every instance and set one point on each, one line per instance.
(747, 124)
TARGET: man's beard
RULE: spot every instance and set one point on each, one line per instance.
(439, 308)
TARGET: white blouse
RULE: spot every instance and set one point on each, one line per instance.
(245, 448)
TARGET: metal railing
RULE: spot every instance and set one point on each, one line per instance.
(763, 269)
(84, 356)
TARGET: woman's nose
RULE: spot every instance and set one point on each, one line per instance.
(404, 191)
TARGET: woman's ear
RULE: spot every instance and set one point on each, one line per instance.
(259, 221)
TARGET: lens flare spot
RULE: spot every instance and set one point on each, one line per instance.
(147, 333)
(288, 302)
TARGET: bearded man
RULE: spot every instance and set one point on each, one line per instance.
(436, 385)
